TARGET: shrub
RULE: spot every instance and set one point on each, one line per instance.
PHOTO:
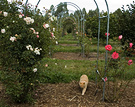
(24, 41)
(116, 72)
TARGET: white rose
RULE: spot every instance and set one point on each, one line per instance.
(56, 42)
(5, 14)
(12, 39)
(51, 18)
(20, 16)
(37, 51)
(35, 70)
(46, 26)
(53, 29)
(32, 20)
(29, 47)
(3, 30)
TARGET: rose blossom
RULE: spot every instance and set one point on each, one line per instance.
(120, 37)
(3, 30)
(56, 42)
(20, 16)
(108, 47)
(37, 36)
(13, 39)
(35, 70)
(106, 34)
(53, 29)
(29, 20)
(5, 14)
(115, 55)
(46, 26)
(130, 45)
(130, 62)
(46, 65)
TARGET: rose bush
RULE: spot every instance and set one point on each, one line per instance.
(23, 43)
(116, 73)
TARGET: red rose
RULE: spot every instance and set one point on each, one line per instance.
(130, 45)
(115, 55)
(108, 47)
(130, 62)
(106, 34)
(120, 37)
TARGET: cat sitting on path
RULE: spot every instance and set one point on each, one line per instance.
(83, 83)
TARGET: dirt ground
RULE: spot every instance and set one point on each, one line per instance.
(77, 56)
(69, 94)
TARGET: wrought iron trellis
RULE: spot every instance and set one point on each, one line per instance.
(106, 55)
(68, 16)
(26, 6)
(82, 22)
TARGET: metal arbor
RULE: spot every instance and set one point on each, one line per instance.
(82, 24)
(106, 55)
(81, 19)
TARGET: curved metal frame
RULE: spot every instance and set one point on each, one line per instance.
(82, 20)
(78, 19)
(26, 6)
(106, 42)
(75, 6)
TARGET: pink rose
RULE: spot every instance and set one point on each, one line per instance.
(52, 34)
(37, 36)
(130, 45)
(106, 34)
(115, 55)
(108, 47)
(105, 79)
(120, 37)
(130, 62)
(46, 65)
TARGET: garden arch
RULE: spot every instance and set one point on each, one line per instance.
(69, 18)
(82, 21)
(75, 6)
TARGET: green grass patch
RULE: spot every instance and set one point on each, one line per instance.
(59, 48)
(67, 70)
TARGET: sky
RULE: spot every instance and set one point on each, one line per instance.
(87, 4)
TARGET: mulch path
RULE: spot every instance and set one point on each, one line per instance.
(69, 95)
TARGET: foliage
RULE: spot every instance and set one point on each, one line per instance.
(116, 73)
(127, 26)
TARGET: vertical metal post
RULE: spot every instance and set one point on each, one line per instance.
(98, 42)
(57, 23)
(106, 50)
(25, 7)
(83, 35)
(37, 5)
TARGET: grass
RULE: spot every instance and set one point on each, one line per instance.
(68, 39)
(68, 70)
(59, 48)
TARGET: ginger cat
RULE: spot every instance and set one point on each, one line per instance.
(83, 83)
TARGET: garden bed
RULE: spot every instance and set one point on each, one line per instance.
(69, 95)
(77, 56)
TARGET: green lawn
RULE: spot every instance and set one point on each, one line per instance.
(68, 70)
